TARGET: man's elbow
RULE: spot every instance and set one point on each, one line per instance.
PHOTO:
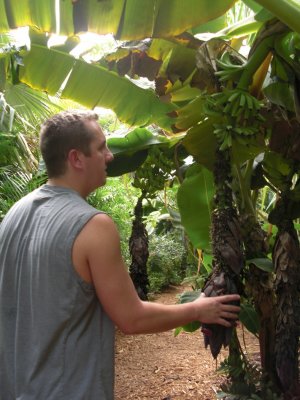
(129, 327)
(127, 330)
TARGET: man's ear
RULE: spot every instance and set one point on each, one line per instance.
(75, 158)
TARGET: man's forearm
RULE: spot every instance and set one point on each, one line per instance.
(154, 317)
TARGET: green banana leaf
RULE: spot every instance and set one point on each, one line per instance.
(201, 143)
(287, 47)
(125, 163)
(249, 318)
(126, 19)
(246, 148)
(242, 28)
(136, 140)
(283, 85)
(253, 5)
(188, 297)
(131, 151)
(265, 264)
(91, 85)
(16, 13)
(179, 60)
(190, 114)
(194, 201)
(46, 69)
(280, 93)
(278, 170)
(212, 26)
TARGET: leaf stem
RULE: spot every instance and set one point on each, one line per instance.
(288, 11)
(256, 59)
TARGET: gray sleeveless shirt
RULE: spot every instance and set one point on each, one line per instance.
(56, 342)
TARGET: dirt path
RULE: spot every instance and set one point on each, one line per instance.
(164, 367)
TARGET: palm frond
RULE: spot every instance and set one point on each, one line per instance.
(14, 184)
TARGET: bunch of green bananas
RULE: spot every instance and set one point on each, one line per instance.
(228, 70)
(237, 104)
(225, 134)
(239, 113)
(155, 171)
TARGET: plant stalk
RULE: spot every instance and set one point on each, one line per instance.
(288, 11)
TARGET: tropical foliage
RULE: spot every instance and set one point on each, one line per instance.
(235, 110)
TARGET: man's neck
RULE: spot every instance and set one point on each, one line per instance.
(65, 183)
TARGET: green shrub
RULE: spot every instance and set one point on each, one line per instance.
(166, 261)
(117, 198)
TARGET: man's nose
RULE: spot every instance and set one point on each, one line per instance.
(109, 156)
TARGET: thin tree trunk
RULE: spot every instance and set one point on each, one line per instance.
(138, 246)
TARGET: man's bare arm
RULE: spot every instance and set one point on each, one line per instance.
(99, 247)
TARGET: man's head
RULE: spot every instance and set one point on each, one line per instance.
(63, 132)
(74, 149)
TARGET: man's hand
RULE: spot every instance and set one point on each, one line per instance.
(218, 310)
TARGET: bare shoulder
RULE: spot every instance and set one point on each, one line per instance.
(100, 239)
(101, 220)
(98, 225)
(96, 244)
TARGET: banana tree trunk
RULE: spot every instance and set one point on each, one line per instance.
(227, 250)
(260, 287)
(286, 256)
(138, 246)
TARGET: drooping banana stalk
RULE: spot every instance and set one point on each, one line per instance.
(287, 10)
(227, 250)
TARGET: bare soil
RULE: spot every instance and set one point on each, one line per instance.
(164, 367)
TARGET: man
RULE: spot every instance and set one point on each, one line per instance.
(63, 283)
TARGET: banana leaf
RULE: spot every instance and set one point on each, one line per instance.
(131, 151)
(249, 318)
(278, 170)
(241, 28)
(188, 297)
(201, 143)
(253, 5)
(194, 201)
(92, 85)
(264, 264)
(212, 26)
(127, 20)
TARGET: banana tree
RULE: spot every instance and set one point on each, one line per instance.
(243, 112)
